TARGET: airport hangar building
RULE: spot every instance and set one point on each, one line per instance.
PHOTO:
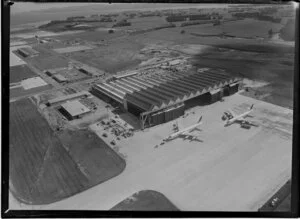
(156, 99)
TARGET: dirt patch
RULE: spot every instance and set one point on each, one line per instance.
(146, 200)
(46, 167)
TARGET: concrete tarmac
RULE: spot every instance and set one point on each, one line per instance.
(233, 169)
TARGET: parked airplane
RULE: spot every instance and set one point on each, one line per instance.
(185, 133)
(232, 118)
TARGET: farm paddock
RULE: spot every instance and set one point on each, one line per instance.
(46, 166)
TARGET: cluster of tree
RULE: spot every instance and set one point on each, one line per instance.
(75, 18)
(51, 23)
(199, 17)
(106, 19)
(153, 29)
(122, 23)
(189, 23)
(263, 17)
(148, 15)
(246, 14)
(133, 15)
(110, 15)
(178, 18)
(258, 16)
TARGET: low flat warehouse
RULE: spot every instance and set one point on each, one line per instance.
(160, 98)
(74, 109)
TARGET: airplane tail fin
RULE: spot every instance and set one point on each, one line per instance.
(251, 107)
(199, 119)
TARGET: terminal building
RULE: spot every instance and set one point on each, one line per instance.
(156, 99)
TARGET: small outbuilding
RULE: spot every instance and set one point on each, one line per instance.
(74, 109)
(60, 78)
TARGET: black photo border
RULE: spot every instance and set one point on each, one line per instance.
(6, 213)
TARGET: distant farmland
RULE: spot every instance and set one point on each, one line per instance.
(44, 169)
(44, 62)
(120, 55)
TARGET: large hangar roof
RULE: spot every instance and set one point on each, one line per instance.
(175, 90)
(156, 92)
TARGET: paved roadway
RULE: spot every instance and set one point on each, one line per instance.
(233, 169)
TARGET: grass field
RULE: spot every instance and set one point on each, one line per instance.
(20, 91)
(146, 200)
(45, 168)
(240, 28)
(146, 22)
(72, 49)
(97, 35)
(19, 73)
(120, 55)
(48, 62)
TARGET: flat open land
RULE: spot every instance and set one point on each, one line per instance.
(120, 55)
(239, 28)
(72, 49)
(19, 73)
(233, 169)
(46, 167)
(146, 200)
(20, 91)
(95, 36)
(48, 62)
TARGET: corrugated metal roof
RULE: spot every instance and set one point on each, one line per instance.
(159, 91)
(121, 84)
(133, 84)
(141, 82)
(133, 80)
(134, 87)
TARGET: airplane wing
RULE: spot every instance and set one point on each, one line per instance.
(188, 133)
(185, 134)
(232, 113)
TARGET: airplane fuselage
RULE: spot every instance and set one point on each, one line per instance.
(188, 129)
(232, 120)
